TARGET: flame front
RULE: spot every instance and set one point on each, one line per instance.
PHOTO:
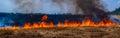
(67, 23)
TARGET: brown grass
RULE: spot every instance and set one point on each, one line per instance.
(77, 32)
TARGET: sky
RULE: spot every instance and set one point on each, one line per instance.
(9, 6)
(111, 5)
(6, 5)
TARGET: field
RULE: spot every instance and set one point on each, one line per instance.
(76, 32)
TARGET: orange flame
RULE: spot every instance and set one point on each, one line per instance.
(67, 23)
(45, 17)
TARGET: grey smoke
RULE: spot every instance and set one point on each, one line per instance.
(59, 6)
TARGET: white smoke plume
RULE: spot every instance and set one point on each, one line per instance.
(45, 6)
(57, 6)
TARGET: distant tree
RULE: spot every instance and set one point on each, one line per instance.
(117, 11)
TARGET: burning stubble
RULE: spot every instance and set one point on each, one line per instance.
(86, 22)
(86, 7)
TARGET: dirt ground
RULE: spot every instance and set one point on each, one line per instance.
(77, 32)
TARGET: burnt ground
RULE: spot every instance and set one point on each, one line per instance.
(20, 19)
(77, 32)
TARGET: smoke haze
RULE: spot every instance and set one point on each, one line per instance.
(45, 6)
(57, 6)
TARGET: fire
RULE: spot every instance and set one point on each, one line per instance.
(45, 17)
(67, 23)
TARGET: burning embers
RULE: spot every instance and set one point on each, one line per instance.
(67, 23)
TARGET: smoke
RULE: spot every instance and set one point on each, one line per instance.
(59, 6)
(24, 6)
(45, 6)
